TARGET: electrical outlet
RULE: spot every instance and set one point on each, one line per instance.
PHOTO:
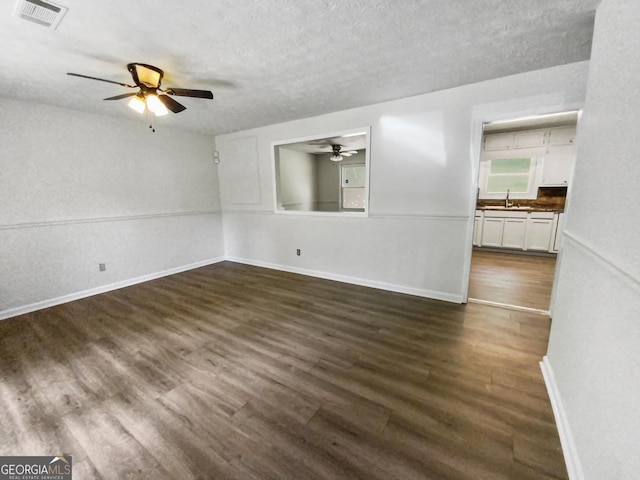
(102, 266)
(298, 251)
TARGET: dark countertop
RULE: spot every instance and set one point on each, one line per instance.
(520, 209)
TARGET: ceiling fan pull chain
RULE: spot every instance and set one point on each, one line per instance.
(150, 117)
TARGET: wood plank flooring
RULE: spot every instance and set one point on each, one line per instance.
(512, 279)
(237, 372)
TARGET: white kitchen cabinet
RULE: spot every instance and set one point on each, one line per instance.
(513, 234)
(558, 165)
(553, 148)
(529, 139)
(477, 228)
(519, 230)
(540, 231)
(505, 229)
(492, 232)
(557, 236)
(497, 142)
(562, 136)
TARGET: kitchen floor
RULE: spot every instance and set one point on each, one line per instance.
(512, 278)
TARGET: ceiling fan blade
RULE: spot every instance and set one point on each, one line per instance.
(350, 152)
(100, 79)
(187, 92)
(171, 104)
(120, 97)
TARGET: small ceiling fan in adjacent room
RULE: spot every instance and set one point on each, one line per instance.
(339, 154)
(150, 97)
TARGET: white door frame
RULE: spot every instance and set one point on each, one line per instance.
(478, 119)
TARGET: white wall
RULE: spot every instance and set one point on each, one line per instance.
(328, 180)
(594, 348)
(298, 179)
(78, 189)
(424, 158)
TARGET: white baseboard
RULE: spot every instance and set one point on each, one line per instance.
(508, 306)
(447, 297)
(574, 468)
(14, 312)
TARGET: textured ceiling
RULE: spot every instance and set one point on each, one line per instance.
(324, 145)
(270, 61)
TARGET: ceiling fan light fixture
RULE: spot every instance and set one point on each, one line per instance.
(337, 154)
(146, 74)
(137, 103)
(156, 106)
(147, 79)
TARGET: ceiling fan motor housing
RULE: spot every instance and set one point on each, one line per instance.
(146, 75)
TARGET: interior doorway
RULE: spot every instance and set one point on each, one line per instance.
(525, 170)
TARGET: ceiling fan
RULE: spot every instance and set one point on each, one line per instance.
(150, 96)
(338, 153)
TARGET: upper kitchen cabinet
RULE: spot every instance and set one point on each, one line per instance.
(562, 136)
(514, 141)
(529, 139)
(560, 156)
(558, 165)
(498, 142)
(551, 151)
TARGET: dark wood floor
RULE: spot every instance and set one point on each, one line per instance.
(237, 372)
(512, 279)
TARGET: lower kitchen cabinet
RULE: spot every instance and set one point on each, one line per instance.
(492, 229)
(516, 230)
(505, 229)
(540, 231)
(557, 235)
(513, 235)
(477, 229)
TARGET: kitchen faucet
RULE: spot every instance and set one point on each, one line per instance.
(507, 203)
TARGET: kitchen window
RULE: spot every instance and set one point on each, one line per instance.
(511, 174)
(516, 175)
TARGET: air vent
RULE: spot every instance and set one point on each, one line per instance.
(42, 13)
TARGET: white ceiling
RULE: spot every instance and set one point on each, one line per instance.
(324, 145)
(270, 61)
